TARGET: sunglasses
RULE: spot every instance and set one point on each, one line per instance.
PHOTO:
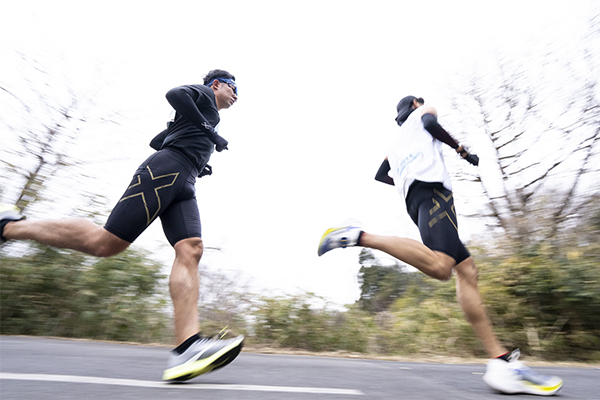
(228, 82)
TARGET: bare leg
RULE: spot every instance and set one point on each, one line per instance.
(71, 233)
(184, 286)
(439, 265)
(433, 263)
(470, 301)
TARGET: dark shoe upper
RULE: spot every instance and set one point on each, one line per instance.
(8, 213)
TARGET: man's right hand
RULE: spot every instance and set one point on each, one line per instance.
(464, 153)
(473, 159)
(220, 143)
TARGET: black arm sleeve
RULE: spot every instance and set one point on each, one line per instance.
(382, 173)
(183, 100)
(157, 142)
(431, 125)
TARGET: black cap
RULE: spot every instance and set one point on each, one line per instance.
(404, 109)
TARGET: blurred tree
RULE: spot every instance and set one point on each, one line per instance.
(541, 125)
(380, 285)
(44, 116)
(224, 301)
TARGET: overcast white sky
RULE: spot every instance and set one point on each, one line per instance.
(318, 84)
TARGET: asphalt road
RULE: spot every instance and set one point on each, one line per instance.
(37, 368)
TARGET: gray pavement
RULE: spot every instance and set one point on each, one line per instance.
(38, 368)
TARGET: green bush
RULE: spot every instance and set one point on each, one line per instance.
(295, 322)
(53, 292)
(545, 301)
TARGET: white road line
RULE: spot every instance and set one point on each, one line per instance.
(164, 385)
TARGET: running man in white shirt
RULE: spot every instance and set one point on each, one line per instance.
(415, 165)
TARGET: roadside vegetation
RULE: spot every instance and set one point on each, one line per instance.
(543, 300)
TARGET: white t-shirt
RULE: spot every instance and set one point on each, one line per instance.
(416, 155)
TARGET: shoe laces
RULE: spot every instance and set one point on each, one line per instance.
(223, 332)
(524, 371)
(218, 336)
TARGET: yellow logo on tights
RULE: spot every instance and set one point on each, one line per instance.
(156, 189)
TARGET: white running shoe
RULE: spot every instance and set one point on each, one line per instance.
(8, 213)
(515, 377)
(340, 237)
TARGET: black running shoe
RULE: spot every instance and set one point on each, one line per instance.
(204, 355)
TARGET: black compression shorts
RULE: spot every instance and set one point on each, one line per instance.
(163, 186)
(431, 207)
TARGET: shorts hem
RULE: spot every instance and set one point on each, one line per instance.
(457, 258)
(119, 234)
